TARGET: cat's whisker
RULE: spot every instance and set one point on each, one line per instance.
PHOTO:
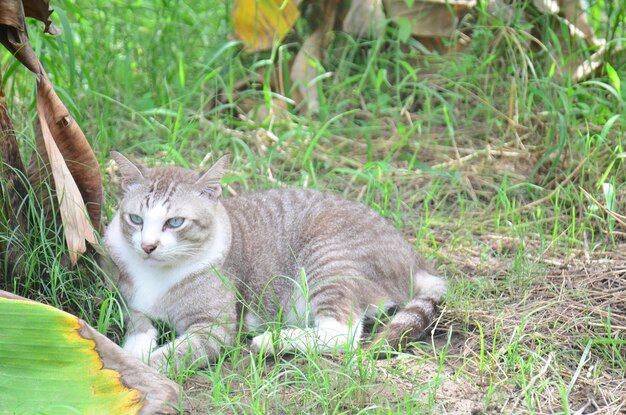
(182, 253)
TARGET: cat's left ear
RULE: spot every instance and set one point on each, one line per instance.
(131, 173)
(209, 182)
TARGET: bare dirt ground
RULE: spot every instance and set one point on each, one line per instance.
(565, 311)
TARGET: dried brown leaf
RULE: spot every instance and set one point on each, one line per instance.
(574, 12)
(13, 11)
(74, 147)
(595, 62)
(259, 24)
(10, 12)
(365, 18)
(13, 34)
(41, 10)
(303, 70)
(547, 6)
(71, 205)
(430, 18)
(61, 142)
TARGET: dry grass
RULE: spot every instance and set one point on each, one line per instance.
(570, 317)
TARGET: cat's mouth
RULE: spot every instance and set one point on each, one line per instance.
(153, 258)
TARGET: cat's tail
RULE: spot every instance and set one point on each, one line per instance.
(411, 321)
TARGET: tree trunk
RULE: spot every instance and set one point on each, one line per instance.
(13, 192)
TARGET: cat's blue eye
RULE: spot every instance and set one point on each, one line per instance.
(175, 222)
(135, 219)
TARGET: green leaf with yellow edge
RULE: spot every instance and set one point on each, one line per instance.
(46, 366)
(51, 362)
(259, 24)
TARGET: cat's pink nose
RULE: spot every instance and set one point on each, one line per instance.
(149, 248)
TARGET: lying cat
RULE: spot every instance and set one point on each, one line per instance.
(319, 264)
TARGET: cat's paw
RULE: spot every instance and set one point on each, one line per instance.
(289, 340)
(159, 360)
(263, 344)
(139, 345)
(170, 360)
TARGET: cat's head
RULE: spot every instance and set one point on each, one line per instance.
(167, 214)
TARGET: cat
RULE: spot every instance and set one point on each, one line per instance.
(321, 265)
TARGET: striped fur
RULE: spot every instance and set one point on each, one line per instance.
(321, 264)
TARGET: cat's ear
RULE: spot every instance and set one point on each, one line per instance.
(131, 173)
(209, 181)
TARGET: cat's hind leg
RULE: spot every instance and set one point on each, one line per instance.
(326, 336)
(336, 326)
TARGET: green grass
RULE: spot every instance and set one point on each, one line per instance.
(481, 156)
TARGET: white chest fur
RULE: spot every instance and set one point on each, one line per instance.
(152, 280)
(152, 283)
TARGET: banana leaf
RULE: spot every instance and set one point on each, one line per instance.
(53, 362)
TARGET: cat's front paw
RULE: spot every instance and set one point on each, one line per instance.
(263, 344)
(140, 345)
(168, 360)
(159, 360)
